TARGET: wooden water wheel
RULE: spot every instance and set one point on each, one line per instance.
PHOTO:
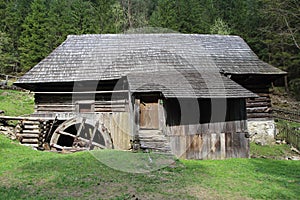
(81, 133)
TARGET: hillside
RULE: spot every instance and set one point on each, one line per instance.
(282, 99)
(16, 103)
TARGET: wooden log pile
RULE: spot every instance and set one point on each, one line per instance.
(33, 132)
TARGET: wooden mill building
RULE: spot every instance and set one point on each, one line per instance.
(178, 93)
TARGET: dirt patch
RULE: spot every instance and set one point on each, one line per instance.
(208, 194)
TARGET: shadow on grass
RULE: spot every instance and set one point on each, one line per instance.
(76, 175)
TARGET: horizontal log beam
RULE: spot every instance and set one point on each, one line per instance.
(26, 140)
(28, 135)
(259, 115)
(85, 92)
(24, 118)
(258, 104)
(55, 105)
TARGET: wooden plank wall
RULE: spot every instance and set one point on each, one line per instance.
(218, 139)
(118, 125)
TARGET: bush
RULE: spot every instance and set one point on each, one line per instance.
(295, 87)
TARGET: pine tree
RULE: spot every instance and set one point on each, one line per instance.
(220, 27)
(7, 58)
(35, 34)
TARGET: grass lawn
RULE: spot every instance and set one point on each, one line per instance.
(29, 174)
(16, 103)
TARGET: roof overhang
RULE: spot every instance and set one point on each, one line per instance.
(187, 85)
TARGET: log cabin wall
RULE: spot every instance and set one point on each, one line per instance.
(259, 107)
(111, 110)
(55, 103)
(207, 138)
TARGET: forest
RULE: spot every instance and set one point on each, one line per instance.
(31, 29)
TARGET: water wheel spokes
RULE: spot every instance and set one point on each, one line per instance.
(80, 134)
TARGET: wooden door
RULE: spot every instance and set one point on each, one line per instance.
(149, 115)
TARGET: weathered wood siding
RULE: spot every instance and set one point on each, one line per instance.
(149, 115)
(118, 125)
(209, 138)
(112, 113)
(209, 141)
(53, 103)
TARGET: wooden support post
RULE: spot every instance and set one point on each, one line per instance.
(286, 85)
(131, 113)
(81, 126)
(137, 115)
(94, 133)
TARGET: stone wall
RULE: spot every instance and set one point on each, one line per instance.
(262, 131)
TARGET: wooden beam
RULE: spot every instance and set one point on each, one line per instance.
(25, 118)
(67, 134)
(81, 126)
(94, 133)
(85, 92)
(131, 115)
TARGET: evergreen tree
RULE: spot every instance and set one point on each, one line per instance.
(35, 34)
(185, 16)
(281, 35)
(220, 27)
(84, 17)
(7, 59)
(61, 22)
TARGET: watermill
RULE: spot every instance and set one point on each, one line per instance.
(81, 133)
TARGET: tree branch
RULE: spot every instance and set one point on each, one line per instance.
(292, 34)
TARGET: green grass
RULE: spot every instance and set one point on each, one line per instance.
(16, 103)
(29, 174)
(294, 125)
(271, 151)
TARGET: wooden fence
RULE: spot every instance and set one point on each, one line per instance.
(285, 131)
(290, 134)
(289, 115)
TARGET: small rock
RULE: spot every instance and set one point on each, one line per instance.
(13, 137)
(4, 94)
(259, 142)
(2, 128)
(295, 150)
(283, 142)
(278, 142)
(295, 158)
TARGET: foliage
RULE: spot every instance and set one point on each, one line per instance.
(220, 27)
(15, 103)
(7, 58)
(34, 36)
(36, 27)
(28, 174)
(295, 87)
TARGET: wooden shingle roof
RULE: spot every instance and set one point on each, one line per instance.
(189, 84)
(111, 56)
